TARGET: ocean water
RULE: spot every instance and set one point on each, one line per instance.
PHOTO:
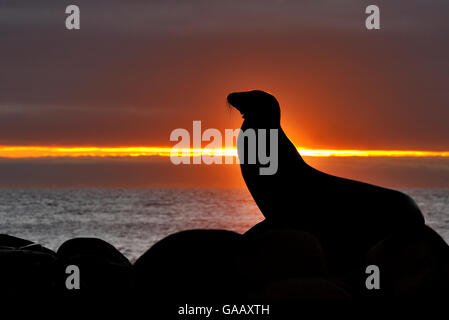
(134, 219)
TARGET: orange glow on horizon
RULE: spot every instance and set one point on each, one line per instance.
(18, 152)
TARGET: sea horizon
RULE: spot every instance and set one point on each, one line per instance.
(134, 219)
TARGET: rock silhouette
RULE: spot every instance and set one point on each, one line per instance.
(347, 216)
(275, 255)
(302, 289)
(26, 269)
(192, 265)
(104, 270)
(413, 265)
(263, 265)
(13, 242)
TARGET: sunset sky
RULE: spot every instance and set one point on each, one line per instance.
(136, 70)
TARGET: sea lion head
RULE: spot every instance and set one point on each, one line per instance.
(258, 108)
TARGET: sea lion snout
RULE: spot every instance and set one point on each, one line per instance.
(236, 100)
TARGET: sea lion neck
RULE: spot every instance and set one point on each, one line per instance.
(250, 123)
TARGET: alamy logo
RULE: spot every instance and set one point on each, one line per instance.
(72, 282)
(372, 22)
(253, 146)
(373, 280)
(73, 20)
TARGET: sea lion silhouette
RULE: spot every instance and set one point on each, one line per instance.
(346, 215)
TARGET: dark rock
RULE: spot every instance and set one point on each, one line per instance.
(37, 248)
(412, 265)
(347, 272)
(276, 254)
(301, 289)
(26, 274)
(103, 269)
(13, 242)
(26, 269)
(192, 265)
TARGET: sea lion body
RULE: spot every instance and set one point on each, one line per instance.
(348, 216)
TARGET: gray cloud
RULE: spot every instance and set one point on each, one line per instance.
(185, 16)
(181, 57)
